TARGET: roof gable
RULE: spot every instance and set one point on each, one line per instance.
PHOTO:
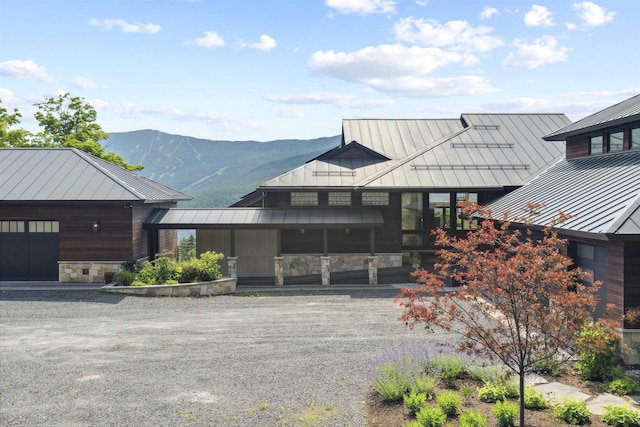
(68, 174)
(619, 114)
(353, 150)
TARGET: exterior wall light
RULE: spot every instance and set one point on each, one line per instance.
(96, 226)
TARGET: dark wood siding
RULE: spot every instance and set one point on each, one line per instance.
(296, 242)
(632, 274)
(120, 236)
(614, 280)
(577, 147)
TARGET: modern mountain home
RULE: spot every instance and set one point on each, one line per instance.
(370, 203)
(599, 183)
(68, 216)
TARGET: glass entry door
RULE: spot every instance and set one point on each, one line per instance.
(440, 210)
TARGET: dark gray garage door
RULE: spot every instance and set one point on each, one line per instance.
(29, 250)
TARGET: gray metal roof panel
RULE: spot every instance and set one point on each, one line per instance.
(264, 217)
(622, 112)
(602, 191)
(493, 151)
(47, 174)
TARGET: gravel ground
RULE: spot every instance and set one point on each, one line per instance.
(93, 359)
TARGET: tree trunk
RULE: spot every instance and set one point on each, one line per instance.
(521, 376)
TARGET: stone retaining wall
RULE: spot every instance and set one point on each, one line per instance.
(222, 286)
(86, 271)
(304, 264)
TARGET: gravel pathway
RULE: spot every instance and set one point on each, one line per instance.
(93, 359)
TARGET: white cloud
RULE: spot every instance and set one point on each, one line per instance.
(384, 61)
(488, 12)
(8, 97)
(423, 87)
(538, 16)
(592, 14)
(545, 50)
(362, 7)
(209, 40)
(24, 70)
(85, 83)
(289, 113)
(266, 43)
(126, 27)
(341, 100)
(458, 35)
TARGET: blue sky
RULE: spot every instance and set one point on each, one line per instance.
(274, 69)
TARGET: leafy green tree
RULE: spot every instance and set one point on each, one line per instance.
(70, 122)
(187, 248)
(11, 137)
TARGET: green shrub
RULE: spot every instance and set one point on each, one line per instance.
(414, 401)
(506, 413)
(124, 278)
(451, 366)
(511, 389)
(390, 383)
(487, 374)
(431, 417)
(572, 411)
(492, 392)
(551, 366)
(423, 384)
(165, 269)
(621, 386)
(620, 415)
(472, 418)
(597, 347)
(534, 399)
(413, 424)
(202, 269)
(146, 274)
(449, 402)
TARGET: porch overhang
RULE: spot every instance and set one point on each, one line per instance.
(264, 218)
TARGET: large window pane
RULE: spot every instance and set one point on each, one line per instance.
(304, 198)
(616, 140)
(463, 222)
(375, 198)
(440, 209)
(635, 138)
(596, 145)
(412, 216)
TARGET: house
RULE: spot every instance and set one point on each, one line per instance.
(68, 216)
(599, 183)
(371, 202)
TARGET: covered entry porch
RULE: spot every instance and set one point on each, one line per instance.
(279, 244)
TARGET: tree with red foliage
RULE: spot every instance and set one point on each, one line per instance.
(519, 301)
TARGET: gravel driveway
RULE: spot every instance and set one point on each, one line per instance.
(93, 359)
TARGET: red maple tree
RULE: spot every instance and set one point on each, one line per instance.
(520, 300)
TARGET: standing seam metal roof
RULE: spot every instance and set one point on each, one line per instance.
(602, 191)
(66, 174)
(476, 151)
(622, 112)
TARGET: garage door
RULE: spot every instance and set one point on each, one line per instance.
(29, 250)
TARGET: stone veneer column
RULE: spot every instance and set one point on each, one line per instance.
(325, 269)
(373, 270)
(279, 270)
(232, 263)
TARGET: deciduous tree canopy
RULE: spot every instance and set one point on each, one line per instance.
(520, 299)
(66, 121)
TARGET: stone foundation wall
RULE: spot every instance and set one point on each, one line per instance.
(86, 271)
(303, 264)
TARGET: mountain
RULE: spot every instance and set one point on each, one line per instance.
(215, 173)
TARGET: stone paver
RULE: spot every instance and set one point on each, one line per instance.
(596, 405)
(556, 390)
